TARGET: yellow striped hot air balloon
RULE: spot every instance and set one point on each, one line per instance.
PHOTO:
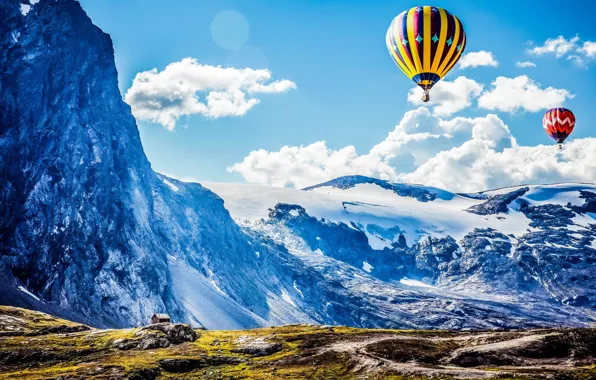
(425, 43)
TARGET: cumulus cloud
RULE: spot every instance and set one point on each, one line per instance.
(421, 136)
(574, 49)
(521, 93)
(584, 54)
(449, 97)
(474, 166)
(525, 64)
(478, 58)
(558, 46)
(505, 94)
(588, 49)
(441, 153)
(302, 166)
(188, 87)
(460, 154)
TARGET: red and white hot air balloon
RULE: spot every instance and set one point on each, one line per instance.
(558, 123)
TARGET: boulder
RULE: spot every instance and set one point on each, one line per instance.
(257, 347)
(159, 335)
(176, 333)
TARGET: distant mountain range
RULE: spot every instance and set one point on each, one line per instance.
(90, 232)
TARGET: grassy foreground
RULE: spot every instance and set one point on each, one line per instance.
(34, 345)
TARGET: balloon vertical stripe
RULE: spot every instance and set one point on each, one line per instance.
(396, 58)
(459, 48)
(404, 53)
(427, 38)
(442, 38)
(412, 27)
(452, 47)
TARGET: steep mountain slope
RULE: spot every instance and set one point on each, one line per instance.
(88, 231)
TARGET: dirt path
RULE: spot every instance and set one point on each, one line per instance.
(368, 363)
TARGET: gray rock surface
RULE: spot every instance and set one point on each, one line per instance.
(257, 347)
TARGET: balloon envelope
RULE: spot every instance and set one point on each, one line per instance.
(425, 43)
(558, 123)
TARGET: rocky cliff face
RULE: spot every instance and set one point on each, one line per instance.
(87, 227)
(89, 231)
(75, 183)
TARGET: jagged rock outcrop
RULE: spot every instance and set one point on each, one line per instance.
(498, 203)
(158, 335)
(175, 332)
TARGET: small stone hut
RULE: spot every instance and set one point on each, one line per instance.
(160, 318)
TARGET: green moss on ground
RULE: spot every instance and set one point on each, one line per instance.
(30, 348)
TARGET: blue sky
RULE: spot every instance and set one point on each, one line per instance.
(349, 92)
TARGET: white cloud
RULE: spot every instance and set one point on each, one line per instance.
(478, 58)
(584, 54)
(521, 93)
(448, 97)
(558, 46)
(506, 94)
(588, 49)
(579, 60)
(575, 50)
(307, 165)
(474, 154)
(422, 135)
(419, 136)
(163, 97)
(525, 64)
(461, 154)
(474, 166)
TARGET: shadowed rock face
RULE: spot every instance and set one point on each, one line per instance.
(589, 203)
(74, 179)
(498, 203)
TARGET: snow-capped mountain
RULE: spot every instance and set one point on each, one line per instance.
(529, 242)
(88, 231)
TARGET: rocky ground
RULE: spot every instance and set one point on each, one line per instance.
(35, 345)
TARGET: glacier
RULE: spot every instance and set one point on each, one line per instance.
(90, 232)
